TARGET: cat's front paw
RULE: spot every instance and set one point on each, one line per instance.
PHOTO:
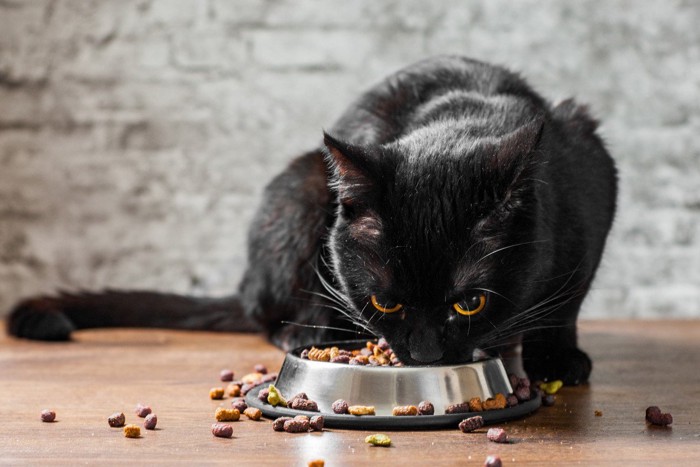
(39, 319)
(572, 366)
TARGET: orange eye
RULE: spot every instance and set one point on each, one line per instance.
(471, 305)
(389, 307)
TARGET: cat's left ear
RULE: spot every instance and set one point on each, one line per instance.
(352, 169)
(517, 148)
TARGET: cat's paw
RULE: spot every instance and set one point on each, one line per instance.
(39, 319)
(572, 366)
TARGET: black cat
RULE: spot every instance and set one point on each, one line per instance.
(450, 209)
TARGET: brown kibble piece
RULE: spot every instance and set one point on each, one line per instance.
(296, 425)
(252, 378)
(263, 395)
(233, 390)
(143, 410)
(303, 404)
(239, 404)
(132, 431)
(116, 420)
(497, 435)
(340, 407)
(493, 461)
(598, 413)
(260, 368)
(252, 413)
(226, 375)
(316, 463)
(426, 408)
(215, 394)
(470, 424)
(316, 423)
(222, 430)
(319, 355)
(462, 407)
(655, 417)
(48, 416)
(150, 421)
(227, 415)
(278, 423)
(361, 410)
(404, 410)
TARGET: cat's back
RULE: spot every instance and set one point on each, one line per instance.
(493, 98)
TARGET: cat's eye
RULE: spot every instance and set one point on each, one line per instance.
(471, 305)
(385, 306)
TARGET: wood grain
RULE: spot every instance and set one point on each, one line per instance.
(637, 364)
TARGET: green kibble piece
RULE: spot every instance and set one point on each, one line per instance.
(378, 439)
(274, 398)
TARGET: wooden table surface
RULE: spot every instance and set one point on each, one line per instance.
(636, 364)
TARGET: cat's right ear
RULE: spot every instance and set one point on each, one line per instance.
(352, 170)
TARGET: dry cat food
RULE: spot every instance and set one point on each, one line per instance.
(48, 416)
(260, 368)
(297, 425)
(493, 461)
(222, 430)
(316, 422)
(378, 439)
(340, 407)
(264, 394)
(552, 387)
(497, 435)
(462, 407)
(278, 423)
(475, 404)
(548, 400)
(274, 397)
(216, 393)
(233, 390)
(316, 463)
(150, 421)
(472, 423)
(226, 375)
(521, 387)
(426, 408)
(404, 410)
(655, 417)
(227, 415)
(379, 354)
(252, 413)
(239, 404)
(132, 431)
(496, 402)
(143, 410)
(361, 410)
(598, 413)
(303, 404)
(116, 420)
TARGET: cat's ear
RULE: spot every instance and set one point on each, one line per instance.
(517, 148)
(352, 169)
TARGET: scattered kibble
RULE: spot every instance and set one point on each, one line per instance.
(475, 404)
(493, 461)
(260, 368)
(268, 378)
(655, 417)
(511, 400)
(264, 394)
(296, 425)
(404, 410)
(252, 413)
(216, 393)
(150, 421)
(472, 423)
(233, 390)
(340, 406)
(462, 407)
(598, 413)
(222, 430)
(278, 423)
(48, 416)
(378, 439)
(361, 410)
(303, 404)
(116, 420)
(301, 395)
(132, 431)
(143, 410)
(316, 463)
(252, 378)
(552, 387)
(227, 415)
(379, 354)
(239, 404)
(497, 435)
(274, 397)
(496, 402)
(316, 422)
(426, 408)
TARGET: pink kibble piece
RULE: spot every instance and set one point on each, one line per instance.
(497, 435)
(150, 422)
(48, 416)
(143, 410)
(226, 375)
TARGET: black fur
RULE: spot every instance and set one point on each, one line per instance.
(449, 177)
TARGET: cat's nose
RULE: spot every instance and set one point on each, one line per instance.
(425, 345)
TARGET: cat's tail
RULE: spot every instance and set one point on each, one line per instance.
(55, 317)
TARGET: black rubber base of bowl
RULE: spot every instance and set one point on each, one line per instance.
(420, 422)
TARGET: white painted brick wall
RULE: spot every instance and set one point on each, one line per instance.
(136, 135)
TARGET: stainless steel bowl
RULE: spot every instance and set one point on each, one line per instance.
(388, 387)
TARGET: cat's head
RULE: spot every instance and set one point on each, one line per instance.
(435, 244)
